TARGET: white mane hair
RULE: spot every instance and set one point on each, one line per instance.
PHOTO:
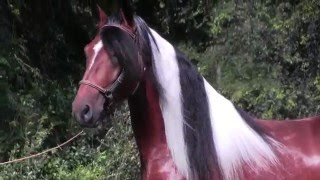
(235, 141)
(167, 74)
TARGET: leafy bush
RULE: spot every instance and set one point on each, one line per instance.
(264, 57)
(113, 156)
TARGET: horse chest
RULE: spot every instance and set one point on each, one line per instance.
(158, 165)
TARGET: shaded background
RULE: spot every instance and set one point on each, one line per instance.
(263, 55)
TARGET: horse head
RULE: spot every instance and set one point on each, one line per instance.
(114, 68)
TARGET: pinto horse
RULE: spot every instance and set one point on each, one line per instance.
(184, 128)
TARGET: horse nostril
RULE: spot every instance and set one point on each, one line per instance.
(86, 109)
(86, 114)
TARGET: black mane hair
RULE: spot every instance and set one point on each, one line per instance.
(142, 44)
(122, 49)
(197, 129)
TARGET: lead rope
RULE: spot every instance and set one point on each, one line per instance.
(43, 152)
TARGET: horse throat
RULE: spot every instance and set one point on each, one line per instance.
(149, 131)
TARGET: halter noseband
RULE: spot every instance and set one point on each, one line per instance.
(108, 92)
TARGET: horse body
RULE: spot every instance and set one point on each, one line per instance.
(301, 139)
(299, 160)
(185, 129)
(295, 161)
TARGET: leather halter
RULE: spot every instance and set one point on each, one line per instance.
(109, 91)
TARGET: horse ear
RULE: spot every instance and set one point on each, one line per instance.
(126, 11)
(102, 16)
(123, 7)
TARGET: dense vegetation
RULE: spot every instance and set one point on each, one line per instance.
(263, 55)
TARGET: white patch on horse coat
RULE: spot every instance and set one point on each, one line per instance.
(167, 74)
(235, 141)
(312, 161)
(97, 47)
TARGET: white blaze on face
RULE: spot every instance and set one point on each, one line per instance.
(97, 47)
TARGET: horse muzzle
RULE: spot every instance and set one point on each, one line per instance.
(87, 116)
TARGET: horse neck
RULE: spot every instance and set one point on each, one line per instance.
(147, 120)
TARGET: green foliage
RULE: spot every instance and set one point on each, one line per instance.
(264, 57)
(112, 156)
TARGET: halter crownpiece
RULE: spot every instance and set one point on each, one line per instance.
(123, 28)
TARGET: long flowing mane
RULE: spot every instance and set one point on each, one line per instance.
(206, 134)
